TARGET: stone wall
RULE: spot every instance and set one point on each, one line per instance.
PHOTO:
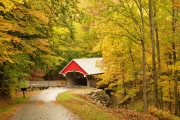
(100, 98)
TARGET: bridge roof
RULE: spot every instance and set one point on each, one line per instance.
(86, 66)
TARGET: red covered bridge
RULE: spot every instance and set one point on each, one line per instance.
(82, 71)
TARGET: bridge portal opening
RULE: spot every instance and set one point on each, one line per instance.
(76, 78)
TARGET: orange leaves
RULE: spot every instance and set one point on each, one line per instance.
(37, 74)
(41, 16)
(5, 25)
(177, 4)
(16, 40)
(7, 51)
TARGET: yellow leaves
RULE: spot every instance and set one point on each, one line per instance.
(61, 31)
(162, 114)
(167, 84)
(5, 26)
(177, 65)
(5, 59)
(111, 86)
(40, 44)
(21, 1)
(51, 60)
(78, 31)
(8, 5)
(6, 56)
(6, 52)
(165, 77)
(26, 45)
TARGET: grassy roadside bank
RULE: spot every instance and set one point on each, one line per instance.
(83, 108)
(9, 106)
(86, 110)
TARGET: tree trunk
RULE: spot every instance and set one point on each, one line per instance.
(179, 101)
(2, 80)
(123, 78)
(151, 21)
(158, 50)
(135, 77)
(143, 57)
(158, 56)
(169, 104)
(174, 20)
(176, 95)
(159, 64)
(161, 99)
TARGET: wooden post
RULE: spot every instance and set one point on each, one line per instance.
(23, 94)
(23, 89)
(87, 81)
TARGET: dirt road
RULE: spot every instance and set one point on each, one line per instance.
(42, 107)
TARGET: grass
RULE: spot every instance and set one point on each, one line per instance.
(16, 101)
(84, 109)
(21, 100)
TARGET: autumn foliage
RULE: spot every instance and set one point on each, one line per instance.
(138, 40)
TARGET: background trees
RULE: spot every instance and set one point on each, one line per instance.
(19, 25)
(35, 39)
(125, 30)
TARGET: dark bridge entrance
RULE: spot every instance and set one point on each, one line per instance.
(76, 78)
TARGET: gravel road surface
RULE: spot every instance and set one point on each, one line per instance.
(42, 107)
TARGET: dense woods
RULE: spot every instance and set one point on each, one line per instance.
(138, 40)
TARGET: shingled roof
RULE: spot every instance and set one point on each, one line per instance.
(86, 66)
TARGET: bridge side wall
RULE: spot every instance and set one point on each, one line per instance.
(47, 83)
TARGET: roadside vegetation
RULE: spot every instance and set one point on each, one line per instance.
(82, 106)
(8, 106)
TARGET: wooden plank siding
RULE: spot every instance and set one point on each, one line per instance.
(47, 83)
